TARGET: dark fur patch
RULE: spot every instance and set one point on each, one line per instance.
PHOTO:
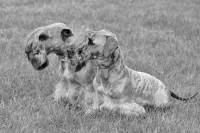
(43, 37)
(70, 54)
(180, 98)
(66, 33)
(80, 66)
(28, 49)
(90, 41)
(44, 65)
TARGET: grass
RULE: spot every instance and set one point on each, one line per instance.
(160, 37)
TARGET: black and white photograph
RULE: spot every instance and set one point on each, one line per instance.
(99, 66)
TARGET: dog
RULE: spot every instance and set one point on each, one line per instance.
(55, 38)
(117, 87)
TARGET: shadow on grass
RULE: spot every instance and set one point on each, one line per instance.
(114, 116)
(152, 109)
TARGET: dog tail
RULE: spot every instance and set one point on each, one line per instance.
(180, 98)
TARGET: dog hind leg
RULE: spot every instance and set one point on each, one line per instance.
(131, 108)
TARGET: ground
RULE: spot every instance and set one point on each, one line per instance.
(160, 37)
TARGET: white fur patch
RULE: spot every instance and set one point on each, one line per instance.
(161, 97)
(60, 92)
(131, 108)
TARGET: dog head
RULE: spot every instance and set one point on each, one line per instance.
(46, 40)
(98, 45)
(75, 51)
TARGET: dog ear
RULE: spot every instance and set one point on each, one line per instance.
(43, 37)
(111, 43)
(66, 33)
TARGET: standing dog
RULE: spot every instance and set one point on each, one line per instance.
(55, 38)
(118, 87)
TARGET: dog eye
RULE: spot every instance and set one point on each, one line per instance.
(43, 37)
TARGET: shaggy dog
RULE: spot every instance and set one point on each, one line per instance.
(117, 87)
(55, 38)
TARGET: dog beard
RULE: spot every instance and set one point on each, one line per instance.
(78, 63)
(80, 56)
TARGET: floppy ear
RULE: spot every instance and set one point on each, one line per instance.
(43, 37)
(111, 43)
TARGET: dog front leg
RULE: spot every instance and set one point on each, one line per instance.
(61, 91)
(97, 101)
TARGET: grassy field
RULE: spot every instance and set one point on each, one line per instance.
(160, 37)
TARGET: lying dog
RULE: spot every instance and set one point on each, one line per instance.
(55, 38)
(118, 87)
